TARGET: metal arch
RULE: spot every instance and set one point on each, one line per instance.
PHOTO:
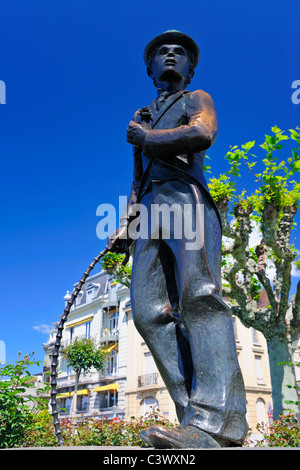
(54, 362)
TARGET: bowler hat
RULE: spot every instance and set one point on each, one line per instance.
(173, 37)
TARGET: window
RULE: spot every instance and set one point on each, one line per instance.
(148, 405)
(113, 322)
(261, 411)
(71, 334)
(110, 321)
(112, 363)
(82, 402)
(91, 291)
(79, 298)
(89, 295)
(62, 365)
(150, 366)
(258, 369)
(234, 328)
(87, 330)
(108, 399)
(65, 405)
(255, 336)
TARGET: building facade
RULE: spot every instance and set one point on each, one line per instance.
(99, 314)
(130, 384)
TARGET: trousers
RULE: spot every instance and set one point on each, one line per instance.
(178, 309)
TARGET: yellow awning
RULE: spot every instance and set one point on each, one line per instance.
(63, 395)
(114, 386)
(110, 348)
(84, 391)
(79, 322)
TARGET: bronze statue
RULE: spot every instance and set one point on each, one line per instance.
(176, 295)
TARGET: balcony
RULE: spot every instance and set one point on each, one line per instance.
(147, 380)
(109, 335)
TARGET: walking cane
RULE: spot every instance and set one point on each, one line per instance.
(54, 362)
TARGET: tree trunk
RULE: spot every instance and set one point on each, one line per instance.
(74, 400)
(281, 376)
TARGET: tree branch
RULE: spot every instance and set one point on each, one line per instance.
(265, 282)
(269, 221)
(237, 291)
(261, 252)
(223, 207)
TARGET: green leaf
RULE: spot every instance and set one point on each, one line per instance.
(297, 165)
(248, 145)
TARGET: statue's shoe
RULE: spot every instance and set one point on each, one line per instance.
(183, 437)
(144, 435)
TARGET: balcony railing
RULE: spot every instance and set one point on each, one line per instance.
(148, 379)
(109, 335)
(108, 372)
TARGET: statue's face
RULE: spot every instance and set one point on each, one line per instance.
(170, 62)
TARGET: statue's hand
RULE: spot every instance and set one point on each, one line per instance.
(119, 242)
(136, 134)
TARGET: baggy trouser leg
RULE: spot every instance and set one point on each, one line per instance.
(153, 302)
(217, 403)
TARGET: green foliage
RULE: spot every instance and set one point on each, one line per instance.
(112, 264)
(41, 433)
(94, 431)
(83, 354)
(255, 288)
(277, 186)
(18, 412)
(221, 188)
(284, 432)
(115, 432)
(111, 260)
(297, 264)
(26, 421)
(275, 179)
(273, 185)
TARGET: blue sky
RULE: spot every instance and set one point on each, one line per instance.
(74, 76)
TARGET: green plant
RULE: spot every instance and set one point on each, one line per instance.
(115, 432)
(82, 355)
(112, 264)
(18, 412)
(41, 433)
(284, 432)
(93, 431)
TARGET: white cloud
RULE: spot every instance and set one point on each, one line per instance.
(295, 271)
(255, 236)
(43, 328)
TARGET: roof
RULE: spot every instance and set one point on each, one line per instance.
(100, 282)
